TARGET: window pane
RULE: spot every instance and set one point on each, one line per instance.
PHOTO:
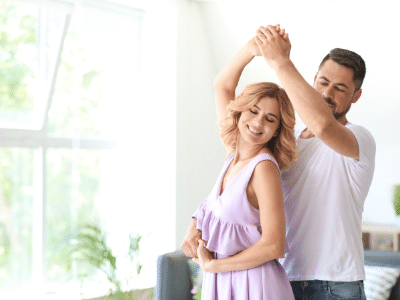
(73, 186)
(96, 82)
(16, 202)
(29, 36)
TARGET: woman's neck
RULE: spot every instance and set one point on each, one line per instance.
(246, 151)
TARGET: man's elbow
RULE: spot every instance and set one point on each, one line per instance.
(323, 128)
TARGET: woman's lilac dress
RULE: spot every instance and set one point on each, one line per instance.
(230, 225)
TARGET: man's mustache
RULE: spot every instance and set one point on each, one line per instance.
(329, 101)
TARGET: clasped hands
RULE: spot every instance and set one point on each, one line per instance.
(204, 258)
(194, 247)
(272, 43)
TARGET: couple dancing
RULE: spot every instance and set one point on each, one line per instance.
(283, 220)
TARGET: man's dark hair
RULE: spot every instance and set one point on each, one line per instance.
(349, 59)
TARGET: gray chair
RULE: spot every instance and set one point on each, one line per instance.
(173, 277)
(385, 259)
(176, 274)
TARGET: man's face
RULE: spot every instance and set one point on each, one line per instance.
(335, 83)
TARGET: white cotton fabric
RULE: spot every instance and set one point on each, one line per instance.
(379, 282)
(324, 195)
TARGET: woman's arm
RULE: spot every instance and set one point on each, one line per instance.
(190, 243)
(227, 80)
(266, 184)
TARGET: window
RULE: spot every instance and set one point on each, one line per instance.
(28, 48)
(16, 218)
(75, 141)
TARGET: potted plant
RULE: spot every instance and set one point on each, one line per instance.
(89, 245)
(396, 202)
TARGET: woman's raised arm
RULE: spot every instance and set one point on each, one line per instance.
(227, 80)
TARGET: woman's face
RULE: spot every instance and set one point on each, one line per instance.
(260, 123)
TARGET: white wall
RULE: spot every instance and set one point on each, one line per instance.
(209, 34)
(199, 153)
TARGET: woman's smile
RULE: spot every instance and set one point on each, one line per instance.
(253, 130)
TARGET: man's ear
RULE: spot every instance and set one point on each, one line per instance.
(315, 79)
(356, 96)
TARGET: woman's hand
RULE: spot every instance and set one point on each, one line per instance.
(252, 46)
(274, 48)
(190, 243)
(205, 258)
(282, 32)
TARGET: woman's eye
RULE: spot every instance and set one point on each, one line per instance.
(271, 121)
(253, 112)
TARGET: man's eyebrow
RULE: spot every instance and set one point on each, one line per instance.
(270, 114)
(339, 84)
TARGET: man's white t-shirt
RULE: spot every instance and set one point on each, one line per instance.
(324, 195)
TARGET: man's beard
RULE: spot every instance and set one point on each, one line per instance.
(339, 115)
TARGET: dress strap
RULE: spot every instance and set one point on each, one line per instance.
(261, 157)
(249, 169)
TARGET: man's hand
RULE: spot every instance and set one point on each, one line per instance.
(274, 48)
(190, 243)
(252, 46)
(205, 258)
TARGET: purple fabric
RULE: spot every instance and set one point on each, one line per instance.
(230, 225)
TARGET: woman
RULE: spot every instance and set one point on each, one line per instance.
(242, 222)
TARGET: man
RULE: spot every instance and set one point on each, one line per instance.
(326, 188)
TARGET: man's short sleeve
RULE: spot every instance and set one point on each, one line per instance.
(361, 171)
(366, 145)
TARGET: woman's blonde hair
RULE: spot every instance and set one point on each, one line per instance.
(283, 146)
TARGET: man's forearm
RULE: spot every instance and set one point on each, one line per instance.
(307, 102)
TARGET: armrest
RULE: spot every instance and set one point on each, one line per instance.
(385, 259)
(382, 258)
(173, 278)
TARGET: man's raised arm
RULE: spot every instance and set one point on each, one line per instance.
(311, 105)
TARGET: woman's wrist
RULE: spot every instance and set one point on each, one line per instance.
(249, 50)
(212, 266)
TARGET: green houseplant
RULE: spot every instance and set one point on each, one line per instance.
(396, 199)
(89, 245)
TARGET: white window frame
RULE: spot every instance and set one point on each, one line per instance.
(40, 141)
